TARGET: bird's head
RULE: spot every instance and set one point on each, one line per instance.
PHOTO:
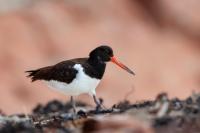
(105, 54)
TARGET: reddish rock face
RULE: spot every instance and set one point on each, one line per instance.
(159, 41)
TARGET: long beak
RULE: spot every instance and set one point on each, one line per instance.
(114, 60)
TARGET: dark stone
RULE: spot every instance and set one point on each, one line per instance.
(162, 121)
(198, 101)
(176, 104)
(189, 100)
(82, 113)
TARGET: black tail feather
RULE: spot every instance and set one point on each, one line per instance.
(32, 73)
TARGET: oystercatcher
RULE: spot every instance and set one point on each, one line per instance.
(80, 75)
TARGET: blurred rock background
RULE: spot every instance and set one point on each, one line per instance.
(158, 39)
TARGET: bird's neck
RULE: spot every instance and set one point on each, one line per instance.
(98, 65)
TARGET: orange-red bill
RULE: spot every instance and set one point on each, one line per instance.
(114, 60)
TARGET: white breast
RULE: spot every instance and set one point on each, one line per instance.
(81, 84)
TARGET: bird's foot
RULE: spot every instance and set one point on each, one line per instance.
(100, 106)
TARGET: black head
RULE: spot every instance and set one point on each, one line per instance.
(102, 53)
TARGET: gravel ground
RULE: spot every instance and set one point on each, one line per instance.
(161, 115)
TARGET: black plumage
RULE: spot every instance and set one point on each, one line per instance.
(94, 66)
(65, 71)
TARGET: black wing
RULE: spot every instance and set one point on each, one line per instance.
(63, 72)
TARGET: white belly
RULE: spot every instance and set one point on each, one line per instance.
(81, 84)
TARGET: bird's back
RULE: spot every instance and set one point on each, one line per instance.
(62, 71)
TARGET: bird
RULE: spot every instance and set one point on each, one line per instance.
(80, 75)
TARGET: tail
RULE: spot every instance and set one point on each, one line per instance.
(32, 74)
